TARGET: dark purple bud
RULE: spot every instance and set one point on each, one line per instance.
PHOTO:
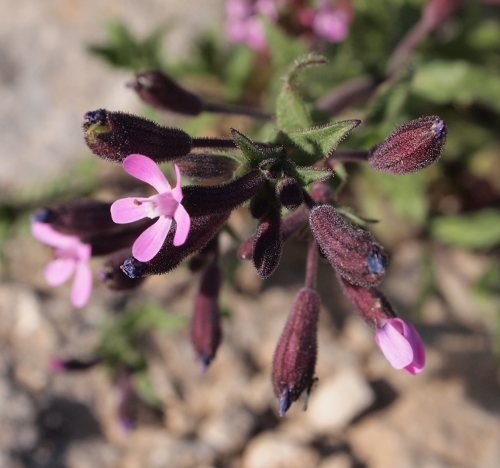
(203, 229)
(201, 166)
(370, 303)
(202, 200)
(268, 243)
(113, 276)
(259, 205)
(161, 92)
(206, 330)
(115, 135)
(289, 193)
(295, 356)
(81, 217)
(291, 225)
(58, 365)
(411, 147)
(127, 408)
(352, 251)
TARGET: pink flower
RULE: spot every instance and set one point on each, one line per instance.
(165, 205)
(71, 255)
(401, 345)
(332, 22)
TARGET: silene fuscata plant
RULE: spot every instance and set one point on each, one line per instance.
(289, 185)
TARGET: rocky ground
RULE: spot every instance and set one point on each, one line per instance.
(361, 413)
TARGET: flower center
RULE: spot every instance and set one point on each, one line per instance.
(162, 204)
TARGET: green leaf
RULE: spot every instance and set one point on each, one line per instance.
(284, 48)
(479, 230)
(291, 112)
(254, 154)
(319, 142)
(307, 175)
(355, 218)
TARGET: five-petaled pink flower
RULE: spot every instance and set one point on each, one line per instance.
(401, 345)
(165, 205)
(71, 255)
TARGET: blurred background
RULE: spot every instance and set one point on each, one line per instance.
(140, 399)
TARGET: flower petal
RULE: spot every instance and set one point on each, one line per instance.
(59, 271)
(395, 347)
(48, 235)
(145, 169)
(183, 221)
(177, 190)
(126, 210)
(82, 285)
(418, 363)
(149, 243)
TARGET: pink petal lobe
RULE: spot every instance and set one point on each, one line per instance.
(48, 235)
(82, 285)
(145, 169)
(59, 271)
(127, 210)
(418, 363)
(149, 243)
(394, 346)
(177, 190)
(183, 221)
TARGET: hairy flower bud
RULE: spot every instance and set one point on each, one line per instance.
(295, 356)
(370, 303)
(57, 364)
(115, 135)
(289, 193)
(202, 200)
(352, 251)
(411, 147)
(203, 229)
(112, 275)
(206, 331)
(268, 243)
(291, 224)
(200, 166)
(160, 91)
(81, 217)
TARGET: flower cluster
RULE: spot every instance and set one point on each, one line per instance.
(151, 235)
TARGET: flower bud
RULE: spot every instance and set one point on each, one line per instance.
(206, 331)
(81, 217)
(370, 303)
(295, 356)
(291, 224)
(200, 200)
(268, 243)
(115, 135)
(201, 166)
(112, 275)
(411, 147)
(203, 229)
(289, 193)
(159, 91)
(352, 251)
(58, 365)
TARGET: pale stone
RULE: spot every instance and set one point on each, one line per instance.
(337, 400)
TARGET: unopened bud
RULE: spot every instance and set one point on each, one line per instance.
(289, 193)
(352, 251)
(370, 303)
(206, 331)
(295, 356)
(411, 147)
(160, 91)
(58, 365)
(268, 243)
(200, 166)
(115, 135)
(203, 229)
(291, 224)
(81, 217)
(112, 275)
(202, 200)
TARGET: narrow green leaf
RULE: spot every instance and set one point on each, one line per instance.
(479, 230)
(355, 218)
(254, 154)
(319, 142)
(308, 175)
